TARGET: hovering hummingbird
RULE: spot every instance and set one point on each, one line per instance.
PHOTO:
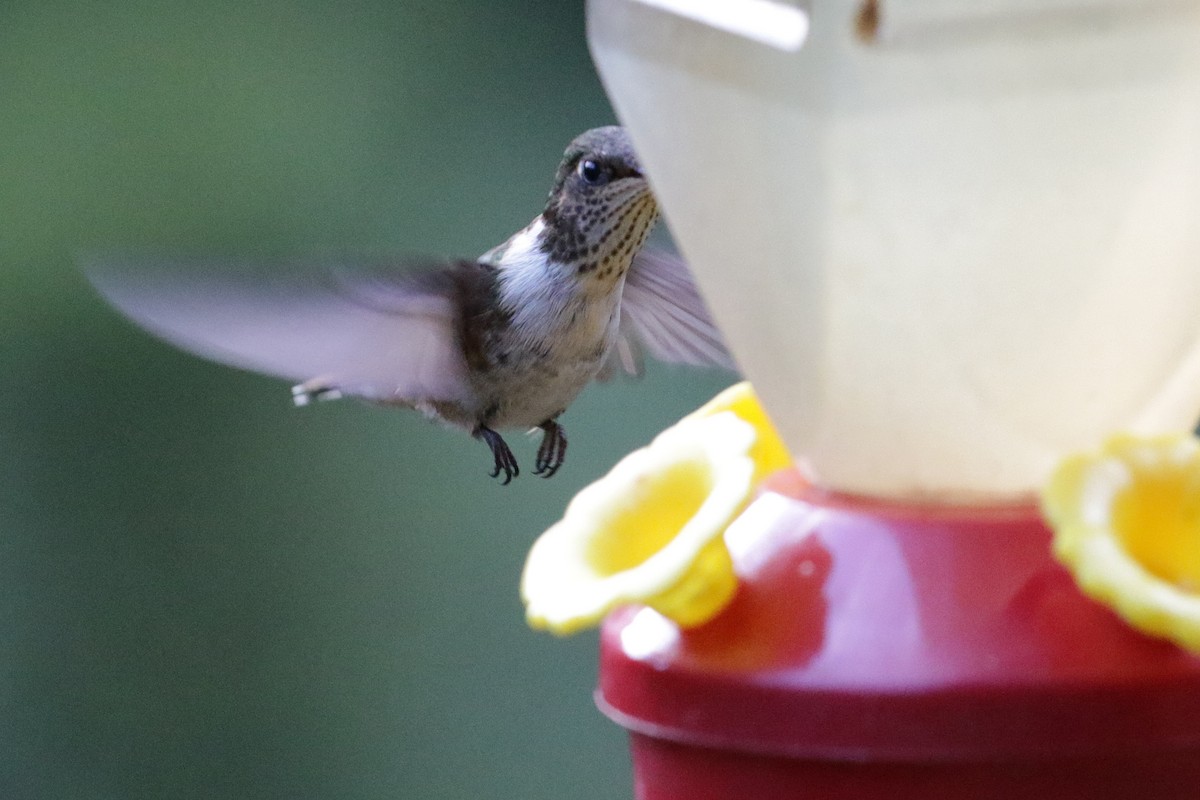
(507, 340)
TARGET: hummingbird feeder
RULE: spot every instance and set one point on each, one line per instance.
(949, 243)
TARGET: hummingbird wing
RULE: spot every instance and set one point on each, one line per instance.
(387, 332)
(662, 311)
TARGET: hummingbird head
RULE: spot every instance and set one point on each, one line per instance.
(600, 209)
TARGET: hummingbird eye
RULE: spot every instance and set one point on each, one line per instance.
(592, 173)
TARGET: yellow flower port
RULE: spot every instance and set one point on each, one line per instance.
(768, 451)
(1127, 525)
(651, 531)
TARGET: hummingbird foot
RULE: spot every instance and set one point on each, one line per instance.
(506, 462)
(553, 449)
(316, 389)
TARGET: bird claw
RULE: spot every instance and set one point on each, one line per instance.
(506, 462)
(553, 449)
(316, 389)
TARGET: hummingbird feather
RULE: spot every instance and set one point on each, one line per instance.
(388, 333)
(663, 312)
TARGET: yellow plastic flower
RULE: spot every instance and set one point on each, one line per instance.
(649, 532)
(652, 530)
(768, 452)
(1127, 524)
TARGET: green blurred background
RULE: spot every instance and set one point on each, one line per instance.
(204, 592)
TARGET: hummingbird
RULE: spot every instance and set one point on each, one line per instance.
(503, 341)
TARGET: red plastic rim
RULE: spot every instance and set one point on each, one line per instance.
(863, 631)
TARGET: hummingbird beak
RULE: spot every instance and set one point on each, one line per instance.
(628, 170)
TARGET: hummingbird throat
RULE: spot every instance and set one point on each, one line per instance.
(598, 238)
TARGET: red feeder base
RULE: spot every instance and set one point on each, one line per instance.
(888, 651)
(666, 770)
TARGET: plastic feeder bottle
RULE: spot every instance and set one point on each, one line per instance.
(949, 242)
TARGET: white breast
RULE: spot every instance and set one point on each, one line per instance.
(558, 338)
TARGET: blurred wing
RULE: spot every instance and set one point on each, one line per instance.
(663, 312)
(384, 333)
